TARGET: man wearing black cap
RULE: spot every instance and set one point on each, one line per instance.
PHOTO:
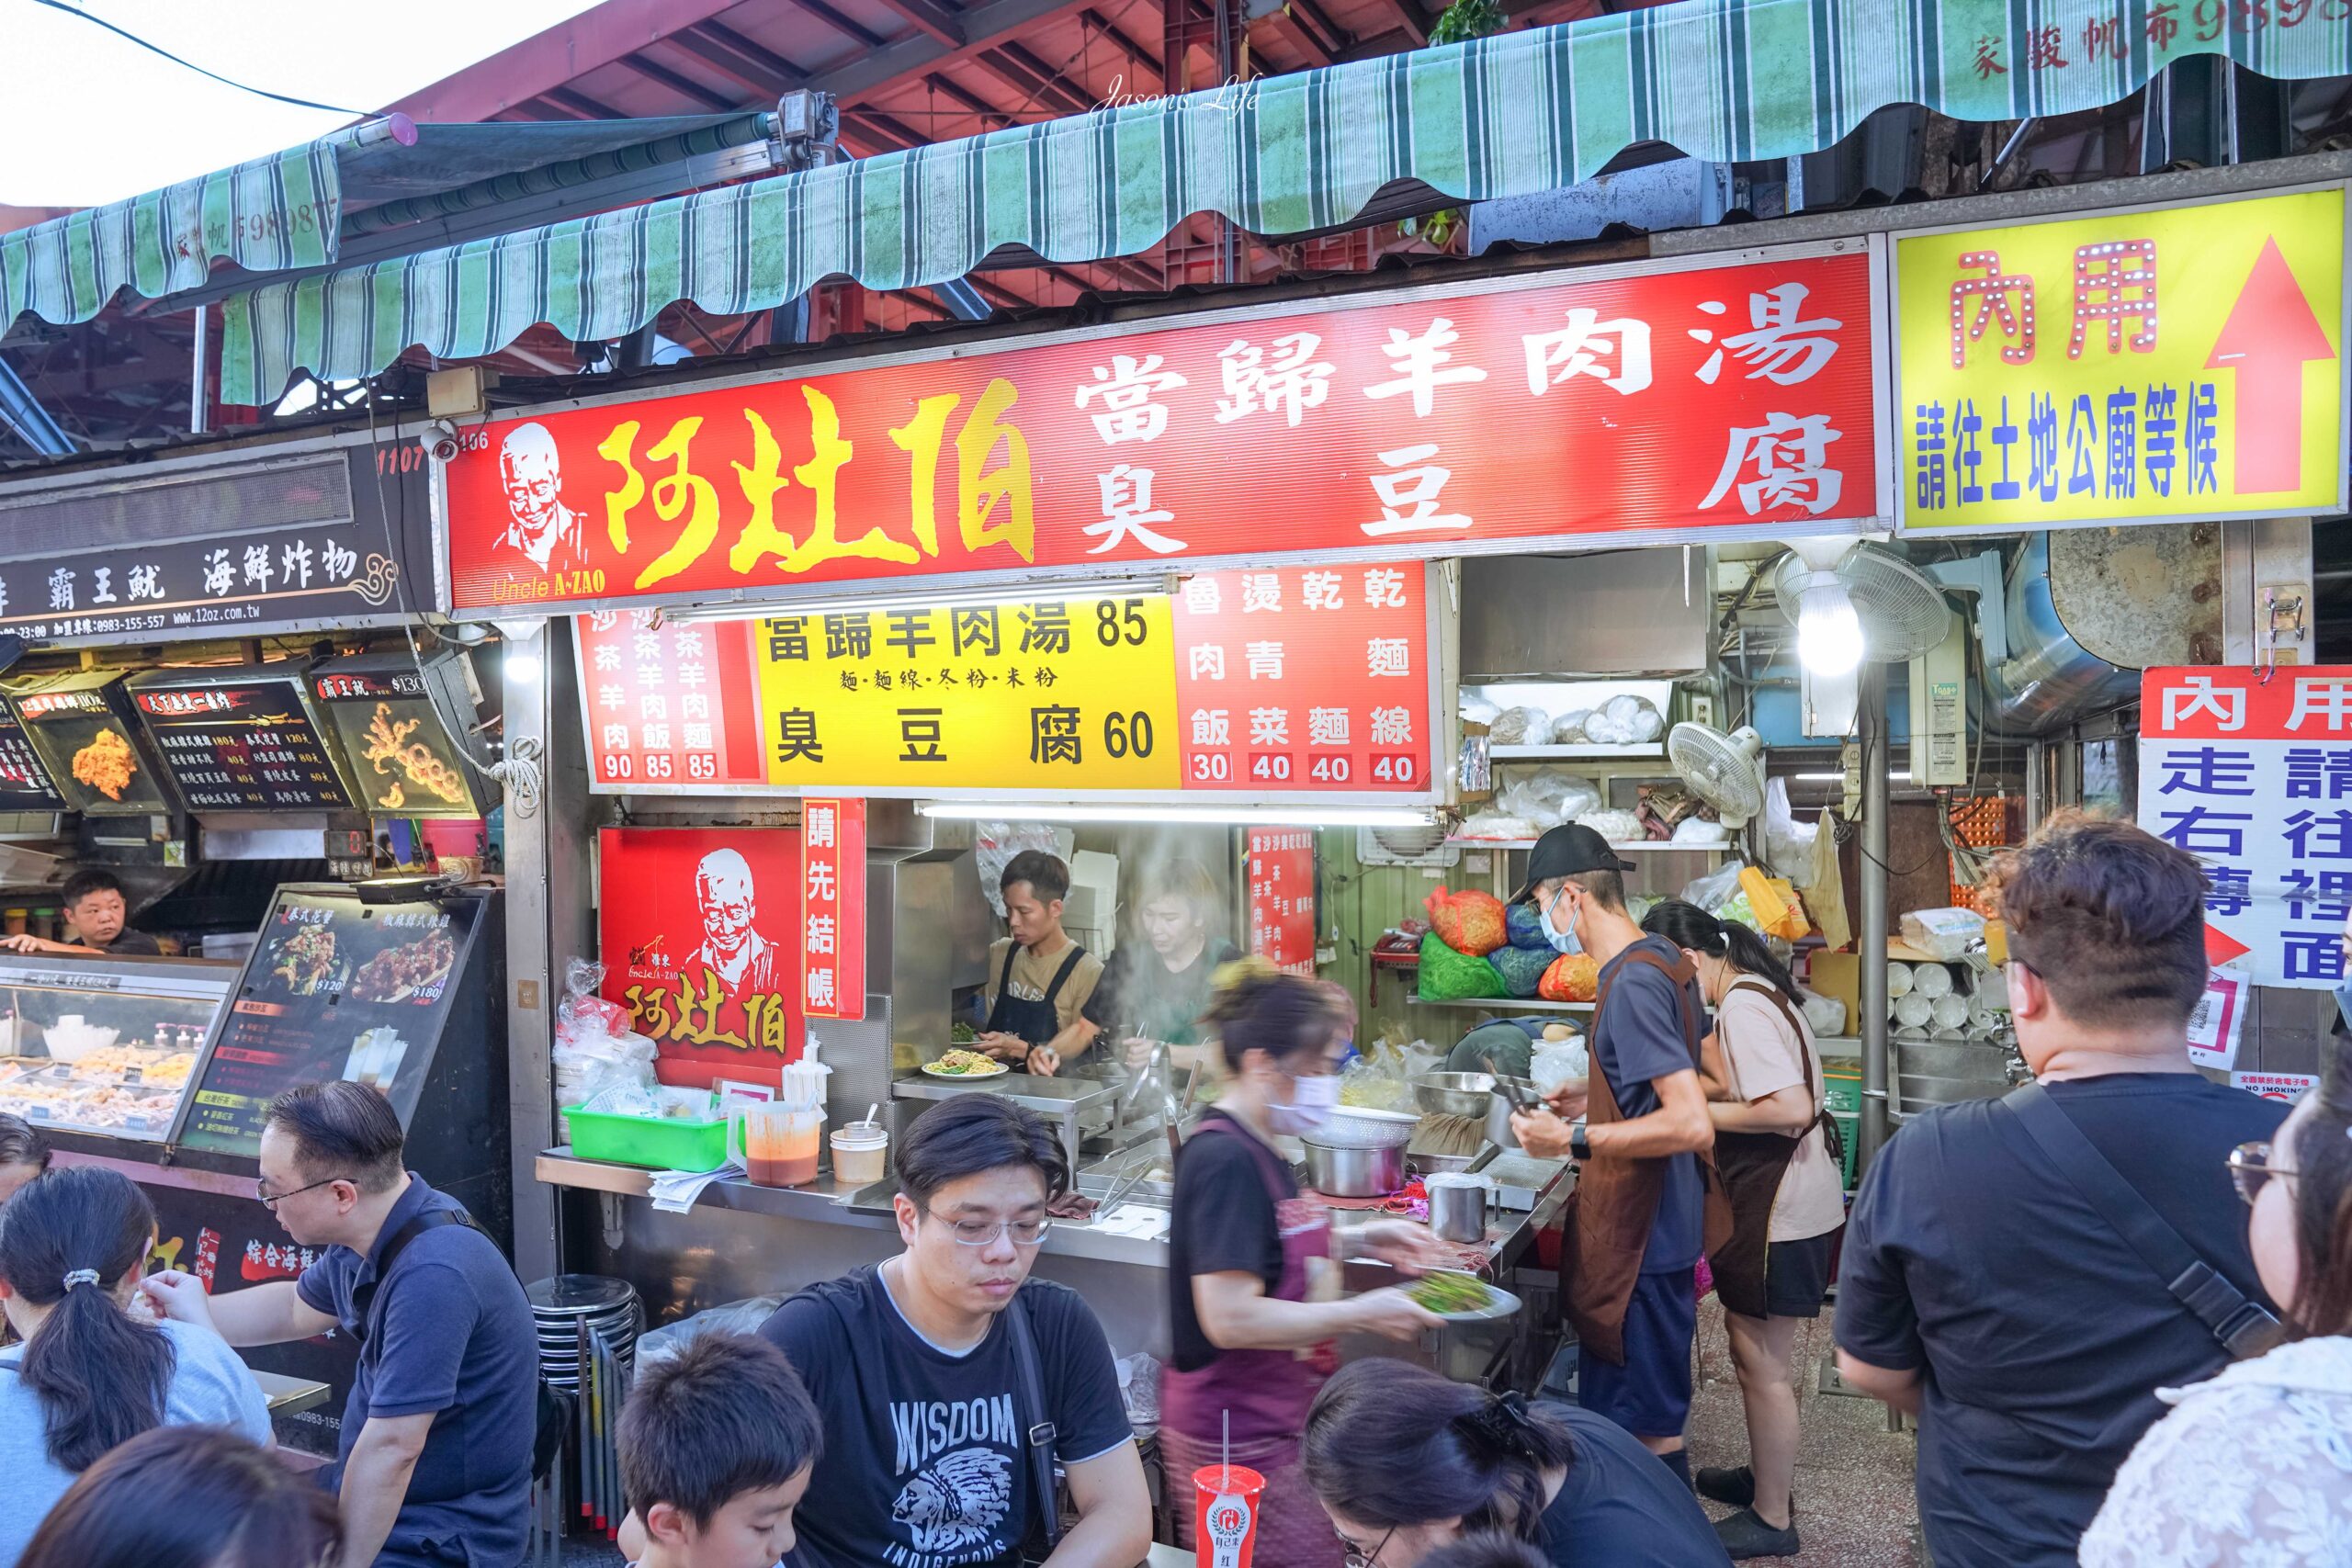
(1642, 1200)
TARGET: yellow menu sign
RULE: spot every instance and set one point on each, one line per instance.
(1079, 694)
(2136, 365)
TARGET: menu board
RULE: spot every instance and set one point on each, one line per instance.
(239, 739)
(393, 743)
(335, 988)
(84, 732)
(23, 781)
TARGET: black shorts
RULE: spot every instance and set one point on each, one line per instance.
(1796, 1275)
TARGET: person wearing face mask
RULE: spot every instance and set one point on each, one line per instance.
(1253, 1274)
(1646, 1201)
(2253, 1466)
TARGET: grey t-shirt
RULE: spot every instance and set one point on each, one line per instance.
(211, 1387)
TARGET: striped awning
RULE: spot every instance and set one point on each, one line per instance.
(272, 214)
(1720, 80)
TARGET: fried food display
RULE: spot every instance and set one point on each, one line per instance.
(388, 741)
(105, 764)
(398, 972)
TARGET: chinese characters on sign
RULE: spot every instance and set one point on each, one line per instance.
(1281, 897)
(88, 737)
(669, 704)
(695, 936)
(832, 908)
(1304, 677)
(242, 742)
(393, 744)
(2256, 780)
(2139, 366)
(24, 782)
(1060, 695)
(344, 568)
(1659, 399)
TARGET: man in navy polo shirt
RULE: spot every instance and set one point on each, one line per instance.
(435, 1464)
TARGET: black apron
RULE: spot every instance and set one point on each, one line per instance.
(1034, 1021)
(1753, 1165)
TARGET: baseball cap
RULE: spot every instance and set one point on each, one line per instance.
(1564, 852)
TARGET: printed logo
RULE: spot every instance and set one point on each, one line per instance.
(957, 1504)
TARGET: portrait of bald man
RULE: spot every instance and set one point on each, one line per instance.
(730, 947)
(531, 469)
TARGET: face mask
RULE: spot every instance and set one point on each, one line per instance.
(1561, 940)
(1312, 1102)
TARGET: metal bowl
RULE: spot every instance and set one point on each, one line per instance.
(1453, 1094)
(1360, 1127)
(1353, 1173)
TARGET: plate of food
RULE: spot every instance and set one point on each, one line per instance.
(961, 1064)
(306, 961)
(1461, 1298)
(398, 972)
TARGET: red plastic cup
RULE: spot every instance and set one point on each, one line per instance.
(1225, 1515)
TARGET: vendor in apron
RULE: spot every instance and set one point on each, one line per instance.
(1039, 979)
(1646, 1200)
(1253, 1274)
(1776, 1146)
(1155, 991)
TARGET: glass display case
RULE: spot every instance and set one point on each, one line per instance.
(105, 1046)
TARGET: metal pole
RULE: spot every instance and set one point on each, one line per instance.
(1872, 716)
(199, 405)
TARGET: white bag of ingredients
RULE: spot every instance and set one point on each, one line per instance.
(1520, 727)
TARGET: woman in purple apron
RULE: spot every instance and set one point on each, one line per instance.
(1253, 1275)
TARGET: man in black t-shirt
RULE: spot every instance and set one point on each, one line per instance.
(913, 1364)
(1980, 1289)
(95, 902)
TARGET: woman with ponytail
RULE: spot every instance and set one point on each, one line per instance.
(1772, 1133)
(1409, 1464)
(88, 1378)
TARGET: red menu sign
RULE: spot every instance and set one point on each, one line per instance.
(1306, 678)
(832, 908)
(696, 939)
(1281, 897)
(1598, 402)
(668, 708)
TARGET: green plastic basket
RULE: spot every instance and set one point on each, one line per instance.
(659, 1143)
(1851, 1126)
(1841, 1087)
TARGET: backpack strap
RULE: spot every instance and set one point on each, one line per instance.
(1042, 1430)
(2243, 1328)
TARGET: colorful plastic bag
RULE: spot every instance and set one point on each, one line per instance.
(1470, 922)
(1522, 968)
(1449, 976)
(1572, 977)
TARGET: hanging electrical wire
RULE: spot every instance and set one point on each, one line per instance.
(191, 65)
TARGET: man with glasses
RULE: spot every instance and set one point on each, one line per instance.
(1984, 1289)
(435, 1461)
(949, 1380)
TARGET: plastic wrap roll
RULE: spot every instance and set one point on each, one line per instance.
(1931, 980)
(1914, 1011)
(1898, 979)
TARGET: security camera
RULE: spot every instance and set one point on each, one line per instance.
(439, 440)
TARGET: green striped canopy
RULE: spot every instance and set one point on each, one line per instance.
(272, 214)
(1720, 80)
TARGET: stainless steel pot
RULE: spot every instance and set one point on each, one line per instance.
(1499, 1131)
(1353, 1173)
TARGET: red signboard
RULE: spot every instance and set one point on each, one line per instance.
(697, 943)
(1281, 897)
(1306, 678)
(832, 908)
(669, 706)
(1599, 402)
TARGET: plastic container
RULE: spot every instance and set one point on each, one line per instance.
(658, 1143)
(861, 1152)
(779, 1144)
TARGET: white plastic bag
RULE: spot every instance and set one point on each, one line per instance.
(1946, 932)
(1477, 707)
(1496, 825)
(1825, 1014)
(1788, 844)
(1558, 1062)
(1715, 889)
(1520, 727)
(1548, 796)
(1617, 826)
(1568, 728)
(595, 1051)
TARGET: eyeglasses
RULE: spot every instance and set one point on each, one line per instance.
(270, 1200)
(980, 1232)
(2250, 1170)
(1357, 1557)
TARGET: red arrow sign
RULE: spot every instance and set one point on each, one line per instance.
(2269, 335)
(2221, 946)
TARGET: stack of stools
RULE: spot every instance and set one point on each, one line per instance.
(587, 1327)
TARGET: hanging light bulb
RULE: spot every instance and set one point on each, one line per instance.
(1830, 635)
